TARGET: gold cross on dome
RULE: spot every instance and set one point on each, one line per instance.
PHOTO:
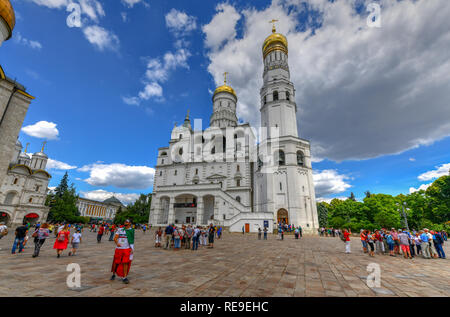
(225, 77)
(43, 146)
(273, 25)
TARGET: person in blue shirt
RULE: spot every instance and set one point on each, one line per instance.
(438, 242)
(168, 235)
(425, 245)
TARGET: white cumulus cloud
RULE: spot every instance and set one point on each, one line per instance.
(222, 27)
(58, 165)
(361, 92)
(42, 130)
(330, 182)
(102, 195)
(101, 38)
(180, 23)
(439, 171)
(119, 175)
(18, 38)
(421, 187)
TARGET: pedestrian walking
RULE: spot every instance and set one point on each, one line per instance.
(211, 236)
(39, 235)
(123, 254)
(101, 230)
(62, 240)
(21, 233)
(158, 237)
(75, 242)
(265, 233)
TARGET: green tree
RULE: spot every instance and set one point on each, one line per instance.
(137, 212)
(322, 213)
(63, 202)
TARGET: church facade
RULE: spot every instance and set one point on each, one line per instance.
(222, 175)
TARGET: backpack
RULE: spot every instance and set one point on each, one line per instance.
(341, 235)
(61, 237)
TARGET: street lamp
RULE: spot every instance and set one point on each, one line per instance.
(405, 220)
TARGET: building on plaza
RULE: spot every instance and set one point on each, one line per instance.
(24, 189)
(221, 175)
(96, 210)
(23, 179)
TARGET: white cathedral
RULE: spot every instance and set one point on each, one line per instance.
(221, 175)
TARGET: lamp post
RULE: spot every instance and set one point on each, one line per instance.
(405, 220)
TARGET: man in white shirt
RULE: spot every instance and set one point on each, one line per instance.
(3, 230)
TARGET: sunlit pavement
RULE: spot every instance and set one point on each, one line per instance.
(239, 265)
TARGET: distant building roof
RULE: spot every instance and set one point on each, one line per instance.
(113, 200)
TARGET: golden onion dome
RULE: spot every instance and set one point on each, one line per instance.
(224, 88)
(275, 41)
(7, 14)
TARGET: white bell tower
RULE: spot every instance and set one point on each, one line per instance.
(287, 188)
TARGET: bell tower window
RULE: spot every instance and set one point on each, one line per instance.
(275, 95)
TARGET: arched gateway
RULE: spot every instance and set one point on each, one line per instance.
(282, 216)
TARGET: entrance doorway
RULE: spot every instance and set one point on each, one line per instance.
(247, 227)
(282, 216)
(4, 217)
(32, 218)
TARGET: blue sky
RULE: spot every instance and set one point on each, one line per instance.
(110, 91)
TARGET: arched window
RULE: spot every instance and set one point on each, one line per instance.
(175, 172)
(163, 153)
(238, 182)
(162, 161)
(300, 158)
(288, 96)
(30, 200)
(237, 168)
(281, 186)
(10, 198)
(180, 151)
(281, 158)
(213, 151)
(15, 181)
(238, 198)
(275, 95)
(181, 136)
(196, 171)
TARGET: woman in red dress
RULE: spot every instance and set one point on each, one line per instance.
(62, 240)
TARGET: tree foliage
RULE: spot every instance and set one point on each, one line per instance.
(63, 203)
(138, 212)
(430, 209)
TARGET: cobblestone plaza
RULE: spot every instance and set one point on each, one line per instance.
(239, 265)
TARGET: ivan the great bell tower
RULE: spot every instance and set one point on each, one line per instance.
(286, 187)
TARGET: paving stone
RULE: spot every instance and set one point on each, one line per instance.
(239, 265)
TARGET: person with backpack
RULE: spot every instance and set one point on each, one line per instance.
(296, 233)
(391, 243)
(21, 233)
(195, 238)
(62, 240)
(40, 234)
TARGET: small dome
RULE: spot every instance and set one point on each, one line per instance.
(24, 155)
(224, 88)
(41, 154)
(7, 15)
(275, 41)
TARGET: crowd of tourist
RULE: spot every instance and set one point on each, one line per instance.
(187, 237)
(407, 243)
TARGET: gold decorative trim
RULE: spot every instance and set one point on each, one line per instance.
(25, 94)
(275, 48)
(42, 171)
(22, 165)
(2, 73)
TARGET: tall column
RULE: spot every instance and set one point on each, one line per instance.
(200, 211)
(171, 210)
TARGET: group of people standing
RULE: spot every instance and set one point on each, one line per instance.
(186, 237)
(283, 227)
(427, 243)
